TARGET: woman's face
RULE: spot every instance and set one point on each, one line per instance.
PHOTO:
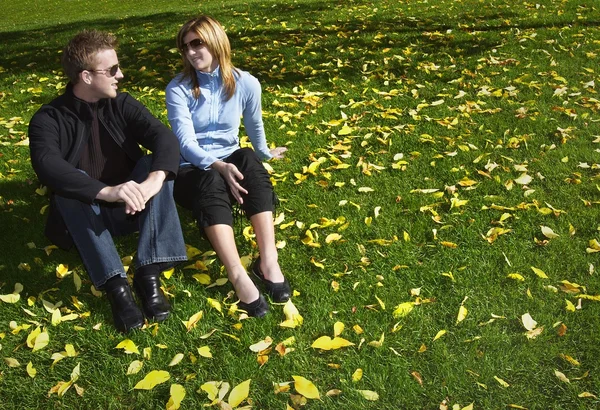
(198, 54)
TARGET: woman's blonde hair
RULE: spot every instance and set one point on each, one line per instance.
(214, 37)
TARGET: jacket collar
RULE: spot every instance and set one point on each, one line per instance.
(79, 107)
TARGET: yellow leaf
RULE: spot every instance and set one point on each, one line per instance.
(10, 298)
(32, 336)
(332, 237)
(262, 345)
(31, 370)
(202, 278)
(326, 343)
(76, 281)
(448, 244)
(292, 315)
(41, 341)
(134, 367)
(128, 346)
(152, 379)
(462, 314)
(570, 306)
(548, 232)
(168, 273)
(306, 388)
(239, 393)
(540, 273)
(204, 351)
(561, 377)
(191, 322)
(369, 395)
(528, 322)
(439, 334)
(215, 304)
(62, 271)
(587, 395)
(524, 179)
(357, 375)
(377, 343)
(11, 362)
(177, 394)
(380, 303)
(516, 276)
(338, 328)
(357, 329)
(403, 309)
(501, 382)
(176, 359)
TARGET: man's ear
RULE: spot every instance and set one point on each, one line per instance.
(85, 77)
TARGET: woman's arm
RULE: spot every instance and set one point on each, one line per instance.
(180, 118)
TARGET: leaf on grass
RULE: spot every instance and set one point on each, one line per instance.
(501, 382)
(462, 314)
(204, 351)
(155, 377)
(561, 376)
(338, 328)
(439, 334)
(528, 322)
(306, 388)
(177, 392)
(239, 393)
(333, 237)
(11, 362)
(523, 179)
(62, 271)
(327, 343)
(215, 304)
(540, 273)
(134, 367)
(587, 395)
(403, 309)
(369, 395)
(176, 359)
(357, 375)
(262, 345)
(292, 316)
(191, 322)
(128, 346)
(31, 371)
(548, 232)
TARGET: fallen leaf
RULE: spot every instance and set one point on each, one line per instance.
(306, 388)
(239, 393)
(155, 377)
(177, 392)
(369, 395)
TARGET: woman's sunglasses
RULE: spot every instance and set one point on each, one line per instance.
(195, 44)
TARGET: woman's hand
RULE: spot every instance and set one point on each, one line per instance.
(231, 174)
(278, 153)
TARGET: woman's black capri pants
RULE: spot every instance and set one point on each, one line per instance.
(207, 195)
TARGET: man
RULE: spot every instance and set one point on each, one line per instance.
(84, 147)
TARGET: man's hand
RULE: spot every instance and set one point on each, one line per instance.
(231, 175)
(278, 153)
(133, 194)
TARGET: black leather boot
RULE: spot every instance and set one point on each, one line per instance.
(146, 283)
(126, 314)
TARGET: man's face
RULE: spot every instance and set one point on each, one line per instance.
(105, 75)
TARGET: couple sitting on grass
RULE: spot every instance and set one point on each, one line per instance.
(85, 146)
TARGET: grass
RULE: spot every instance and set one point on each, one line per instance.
(410, 96)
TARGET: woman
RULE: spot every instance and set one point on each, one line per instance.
(204, 105)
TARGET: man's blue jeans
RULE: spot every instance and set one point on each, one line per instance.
(92, 227)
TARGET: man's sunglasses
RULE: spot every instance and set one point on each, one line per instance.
(195, 44)
(112, 71)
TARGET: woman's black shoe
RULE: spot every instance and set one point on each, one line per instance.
(258, 308)
(278, 292)
(126, 314)
(147, 287)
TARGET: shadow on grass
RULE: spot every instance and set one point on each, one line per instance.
(146, 41)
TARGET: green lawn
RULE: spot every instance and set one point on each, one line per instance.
(438, 152)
